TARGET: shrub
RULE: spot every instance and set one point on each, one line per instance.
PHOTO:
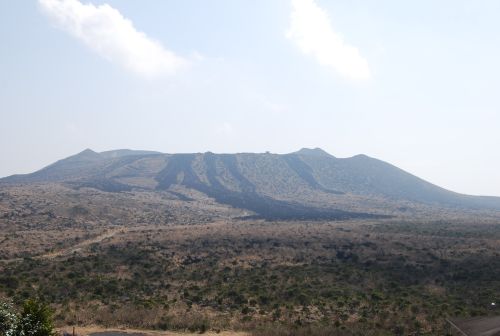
(8, 319)
(35, 319)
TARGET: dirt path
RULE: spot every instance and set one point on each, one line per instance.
(82, 245)
(85, 331)
(75, 248)
(107, 234)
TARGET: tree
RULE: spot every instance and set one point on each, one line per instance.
(35, 320)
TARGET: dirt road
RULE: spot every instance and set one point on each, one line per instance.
(99, 331)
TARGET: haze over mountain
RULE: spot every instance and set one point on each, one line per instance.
(309, 183)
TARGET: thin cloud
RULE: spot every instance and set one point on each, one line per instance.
(108, 33)
(311, 30)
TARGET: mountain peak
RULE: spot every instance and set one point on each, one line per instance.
(85, 155)
(313, 152)
(87, 151)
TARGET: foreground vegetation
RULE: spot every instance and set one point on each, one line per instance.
(290, 278)
(33, 319)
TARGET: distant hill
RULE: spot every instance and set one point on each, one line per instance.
(309, 183)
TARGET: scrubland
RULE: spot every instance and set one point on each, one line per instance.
(154, 261)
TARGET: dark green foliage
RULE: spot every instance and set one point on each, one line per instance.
(35, 319)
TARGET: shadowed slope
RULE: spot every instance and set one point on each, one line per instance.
(179, 171)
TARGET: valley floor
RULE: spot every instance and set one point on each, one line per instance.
(127, 261)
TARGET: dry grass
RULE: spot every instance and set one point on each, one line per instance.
(152, 261)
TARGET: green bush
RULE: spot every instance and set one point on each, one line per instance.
(35, 319)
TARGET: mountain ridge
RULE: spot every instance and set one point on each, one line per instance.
(281, 185)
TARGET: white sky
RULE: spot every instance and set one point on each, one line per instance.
(412, 83)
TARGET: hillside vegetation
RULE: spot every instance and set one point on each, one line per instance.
(295, 244)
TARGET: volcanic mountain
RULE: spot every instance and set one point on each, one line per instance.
(307, 184)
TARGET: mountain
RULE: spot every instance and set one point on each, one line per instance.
(307, 184)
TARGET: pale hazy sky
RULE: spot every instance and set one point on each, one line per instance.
(414, 83)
